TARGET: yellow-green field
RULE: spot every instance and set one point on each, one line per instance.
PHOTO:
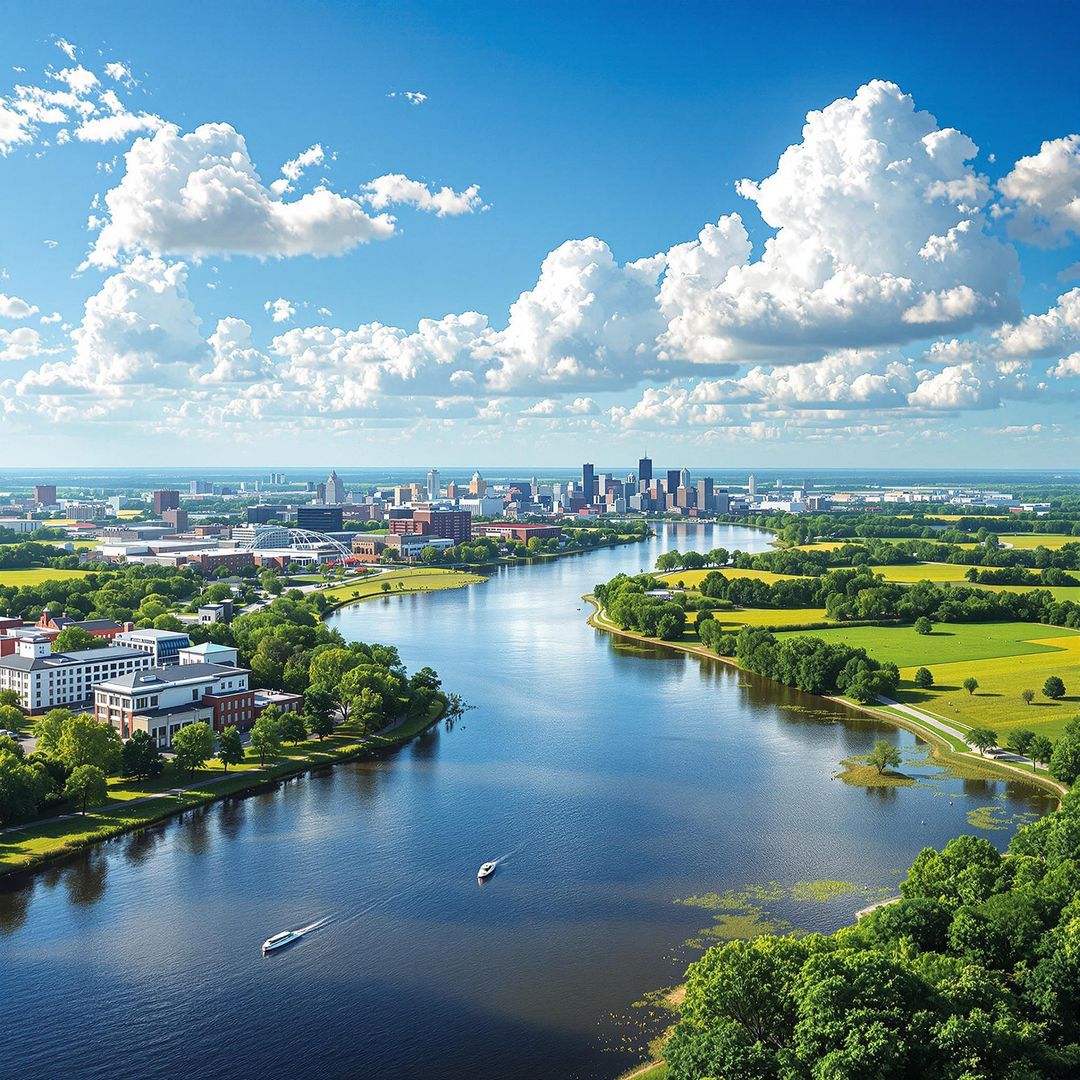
(1059, 592)
(37, 576)
(421, 579)
(769, 617)
(693, 578)
(828, 545)
(913, 572)
(1027, 541)
(997, 703)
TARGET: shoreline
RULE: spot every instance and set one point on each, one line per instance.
(209, 790)
(942, 750)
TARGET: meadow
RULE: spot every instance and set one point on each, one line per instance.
(1028, 541)
(691, 579)
(422, 579)
(37, 576)
(950, 643)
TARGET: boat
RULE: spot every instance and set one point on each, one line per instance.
(485, 871)
(287, 937)
(279, 941)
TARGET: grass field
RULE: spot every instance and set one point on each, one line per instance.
(913, 572)
(693, 578)
(997, 703)
(37, 576)
(769, 616)
(1027, 541)
(421, 579)
(949, 643)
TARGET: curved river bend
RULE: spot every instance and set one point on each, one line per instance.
(615, 778)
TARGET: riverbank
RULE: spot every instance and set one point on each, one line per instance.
(946, 741)
(134, 805)
(397, 583)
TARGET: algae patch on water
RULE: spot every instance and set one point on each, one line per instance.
(992, 818)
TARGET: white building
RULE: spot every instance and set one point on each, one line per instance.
(433, 486)
(164, 646)
(46, 680)
(209, 653)
(335, 490)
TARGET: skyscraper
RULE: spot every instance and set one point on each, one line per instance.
(166, 500)
(335, 490)
(672, 481)
(433, 488)
(684, 478)
(751, 485)
(644, 471)
(588, 481)
(477, 485)
(45, 494)
(705, 494)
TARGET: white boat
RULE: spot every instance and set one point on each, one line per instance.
(287, 937)
(485, 871)
(279, 941)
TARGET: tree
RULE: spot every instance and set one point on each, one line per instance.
(9, 697)
(292, 728)
(385, 586)
(971, 684)
(22, 788)
(1027, 696)
(48, 729)
(924, 679)
(140, 756)
(923, 625)
(73, 638)
(1065, 760)
(193, 746)
(11, 717)
(329, 666)
(320, 724)
(83, 741)
(86, 786)
(883, 756)
(320, 703)
(1019, 740)
(230, 748)
(1053, 688)
(1040, 750)
(981, 738)
(266, 736)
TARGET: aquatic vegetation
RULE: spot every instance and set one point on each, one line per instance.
(859, 774)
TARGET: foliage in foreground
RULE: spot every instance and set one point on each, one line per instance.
(974, 973)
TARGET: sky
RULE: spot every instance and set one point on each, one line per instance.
(508, 234)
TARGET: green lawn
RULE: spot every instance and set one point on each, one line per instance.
(693, 578)
(949, 643)
(37, 576)
(913, 572)
(1027, 541)
(419, 579)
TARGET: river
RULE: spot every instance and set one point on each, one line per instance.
(615, 779)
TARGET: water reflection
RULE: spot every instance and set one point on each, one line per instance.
(85, 878)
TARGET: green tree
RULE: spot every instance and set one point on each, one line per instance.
(1065, 760)
(266, 736)
(230, 748)
(1053, 688)
(320, 724)
(292, 728)
(193, 746)
(883, 756)
(320, 704)
(9, 697)
(11, 717)
(140, 756)
(22, 788)
(73, 638)
(1040, 750)
(1027, 696)
(1019, 740)
(86, 786)
(83, 741)
(48, 729)
(923, 625)
(971, 684)
(924, 679)
(981, 738)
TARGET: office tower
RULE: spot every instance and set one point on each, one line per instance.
(644, 471)
(477, 485)
(45, 494)
(751, 485)
(705, 494)
(684, 478)
(534, 490)
(672, 481)
(452, 490)
(178, 519)
(588, 481)
(433, 487)
(320, 493)
(166, 500)
(335, 490)
(319, 518)
(198, 487)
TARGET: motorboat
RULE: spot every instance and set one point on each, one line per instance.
(486, 871)
(279, 941)
(287, 937)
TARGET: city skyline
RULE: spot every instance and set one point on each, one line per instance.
(874, 262)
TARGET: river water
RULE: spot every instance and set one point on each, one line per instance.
(613, 779)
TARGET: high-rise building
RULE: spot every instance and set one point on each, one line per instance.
(166, 500)
(45, 494)
(705, 495)
(588, 481)
(198, 487)
(335, 490)
(751, 484)
(264, 512)
(477, 485)
(452, 490)
(433, 487)
(672, 481)
(178, 519)
(644, 471)
(684, 478)
(319, 518)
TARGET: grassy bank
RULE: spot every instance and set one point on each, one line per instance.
(413, 580)
(33, 845)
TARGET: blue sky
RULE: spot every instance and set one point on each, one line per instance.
(545, 124)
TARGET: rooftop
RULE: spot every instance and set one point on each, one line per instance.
(155, 678)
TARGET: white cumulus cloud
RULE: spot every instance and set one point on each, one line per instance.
(397, 189)
(14, 307)
(1043, 193)
(281, 310)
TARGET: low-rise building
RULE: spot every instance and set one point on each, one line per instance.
(46, 680)
(162, 700)
(106, 629)
(163, 645)
(510, 530)
(209, 653)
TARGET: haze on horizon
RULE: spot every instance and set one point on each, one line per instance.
(411, 234)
